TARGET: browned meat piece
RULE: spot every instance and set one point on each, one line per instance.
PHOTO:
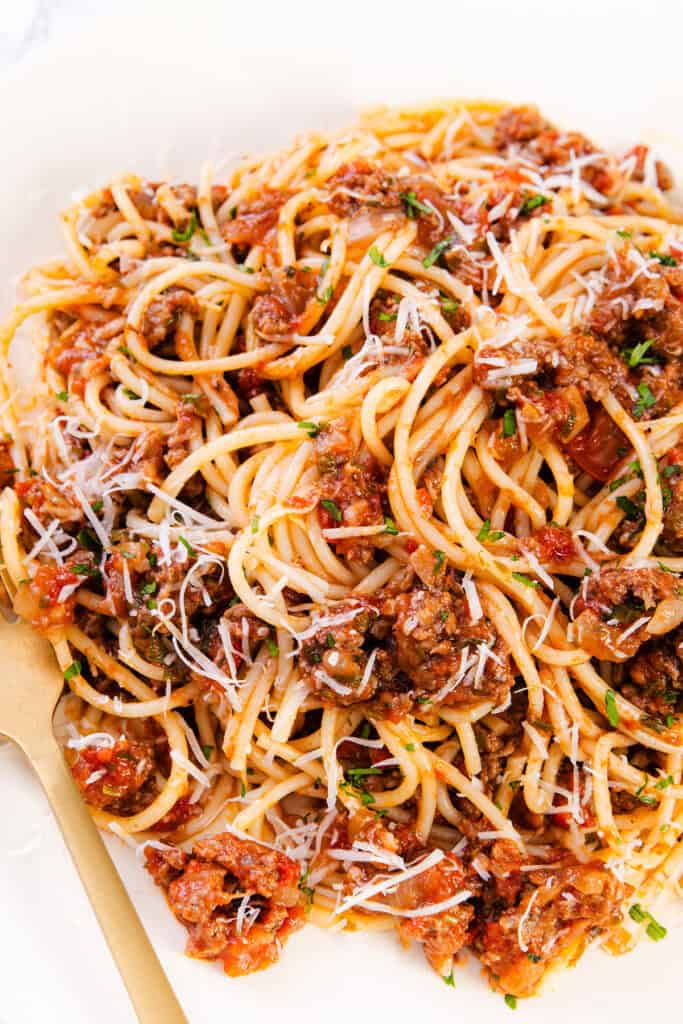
(518, 124)
(351, 489)
(188, 429)
(161, 316)
(547, 917)
(48, 502)
(238, 900)
(612, 600)
(444, 934)
(655, 676)
(148, 456)
(278, 311)
(112, 777)
(665, 179)
(253, 221)
(424, 646)
(672, 472)
(360, 184)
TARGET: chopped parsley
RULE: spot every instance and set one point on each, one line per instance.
(523, 578)
(386, 317)
(324, 297)
(390, 526)
(413, 205)
(207, 750)
(449, 305)
(377, 257)
(655, 930)
(437, 251)
(511, 1001)
(623, 233)
(329, 640)
(636, 356)
(312, 429)
(665, 782)
(509, 423)
(87, 539)
(188, 547)
(97, 506)
(439, 558)
(630, 510)
(664, 258)
(74, 669)
(410, 747)
(532, 203)
(62, 396)
(347, 351)
(149, 588)
(255, 524)
(646, 400)
(333, 509)
(485, 533)
(611, 708)
(84, 570)
(133, 395)
(273, 648)
(186, 235)
(448, 979)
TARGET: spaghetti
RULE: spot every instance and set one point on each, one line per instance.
(349, 492)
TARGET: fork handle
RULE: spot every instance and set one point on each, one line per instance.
(142, 974)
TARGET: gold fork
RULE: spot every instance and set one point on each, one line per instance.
(30, 686)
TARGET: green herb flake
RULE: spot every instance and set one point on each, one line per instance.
(377, 257)
(410, 747)
(532, 203)
(347, 351)
(664, 258)
(646, 400)
(84, 570)
(329, 640)
(390, 526)
(437, 251)
(637, 356)
(511, 1001)
(623, 233)
(273, 648)
(439, 558)
(74, 669)
(255, 524)
(325, 296)
(665, 782)
(186, 544)
(62, 396)
(333, 509)
(611, 708)
(207, 750)
(509, 423)
(312, 429)
(149, 588)
(448, 979)
(630, 510)
(387, 317)
(186, 235)
(413, 206)
(523, 578)
(655, 930)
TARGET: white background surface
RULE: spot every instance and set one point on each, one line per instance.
(158, 88)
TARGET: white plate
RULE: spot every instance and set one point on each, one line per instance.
(160, 88)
